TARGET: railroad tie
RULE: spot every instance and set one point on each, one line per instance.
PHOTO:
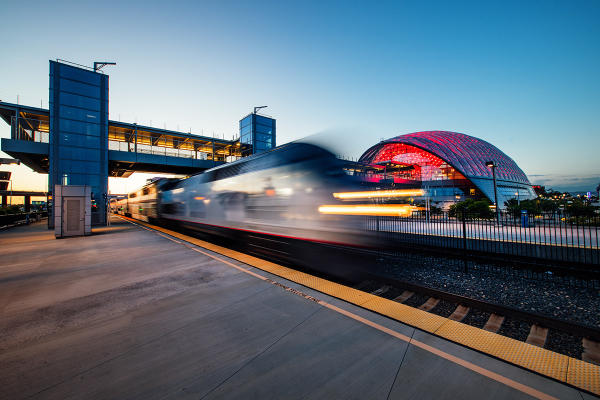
(429, 304)
(591, 351)
(494, 323)
(460, 313)
(381, 290)
(407, 294)
(537, 335)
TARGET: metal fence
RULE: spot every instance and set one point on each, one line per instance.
(21, 218)
(553, 237)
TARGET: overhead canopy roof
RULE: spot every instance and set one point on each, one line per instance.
(467, 154)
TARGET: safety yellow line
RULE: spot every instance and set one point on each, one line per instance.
(575, 372)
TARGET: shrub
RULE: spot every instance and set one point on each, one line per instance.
(471, 209)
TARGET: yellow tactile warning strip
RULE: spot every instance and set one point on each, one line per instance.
(584, 375)
(575, 372)
(403, 313)
(535, 358)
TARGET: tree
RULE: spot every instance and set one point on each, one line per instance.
(435, 210)
(546, 205)
(533, 207)
(471, 209)
(580, 208)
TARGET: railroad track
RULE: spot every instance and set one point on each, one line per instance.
(576, 340)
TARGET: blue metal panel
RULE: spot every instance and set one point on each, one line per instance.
(160, 160)
(22, 146)
(79, 132)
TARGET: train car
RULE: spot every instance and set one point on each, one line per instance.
(295, 204)
(276, 193)
(143, 203)
(120, 206)
(272, 204)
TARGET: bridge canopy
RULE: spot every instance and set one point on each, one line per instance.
(131, 147)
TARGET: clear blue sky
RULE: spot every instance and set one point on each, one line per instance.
(521, 75)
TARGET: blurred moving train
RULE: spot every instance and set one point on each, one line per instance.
(284, 204)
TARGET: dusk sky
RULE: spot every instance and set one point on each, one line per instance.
(520, 75)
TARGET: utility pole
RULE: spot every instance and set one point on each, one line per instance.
(492, 165)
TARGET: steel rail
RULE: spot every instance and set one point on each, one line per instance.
(511, 312)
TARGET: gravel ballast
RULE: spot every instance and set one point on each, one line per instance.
(575, 304)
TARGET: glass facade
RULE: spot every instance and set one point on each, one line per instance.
(257, 134)
(79, 132)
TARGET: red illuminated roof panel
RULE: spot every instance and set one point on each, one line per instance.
(465, 153)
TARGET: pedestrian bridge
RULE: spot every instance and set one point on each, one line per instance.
(131, 147)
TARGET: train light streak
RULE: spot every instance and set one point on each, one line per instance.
(284, 191)
(379, 193)
(403, 210)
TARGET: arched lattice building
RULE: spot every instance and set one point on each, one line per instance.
(449, 165)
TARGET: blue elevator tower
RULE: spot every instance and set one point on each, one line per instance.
(257, 134)
(79, 133)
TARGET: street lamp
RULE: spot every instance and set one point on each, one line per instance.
(492, 165)
(256, 109)
(98, 65)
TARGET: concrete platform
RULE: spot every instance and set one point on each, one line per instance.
(132, 313)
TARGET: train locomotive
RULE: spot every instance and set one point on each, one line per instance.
(268, 204)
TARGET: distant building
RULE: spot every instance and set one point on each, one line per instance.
(449, 166)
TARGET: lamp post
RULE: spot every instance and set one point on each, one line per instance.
(492, 165)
